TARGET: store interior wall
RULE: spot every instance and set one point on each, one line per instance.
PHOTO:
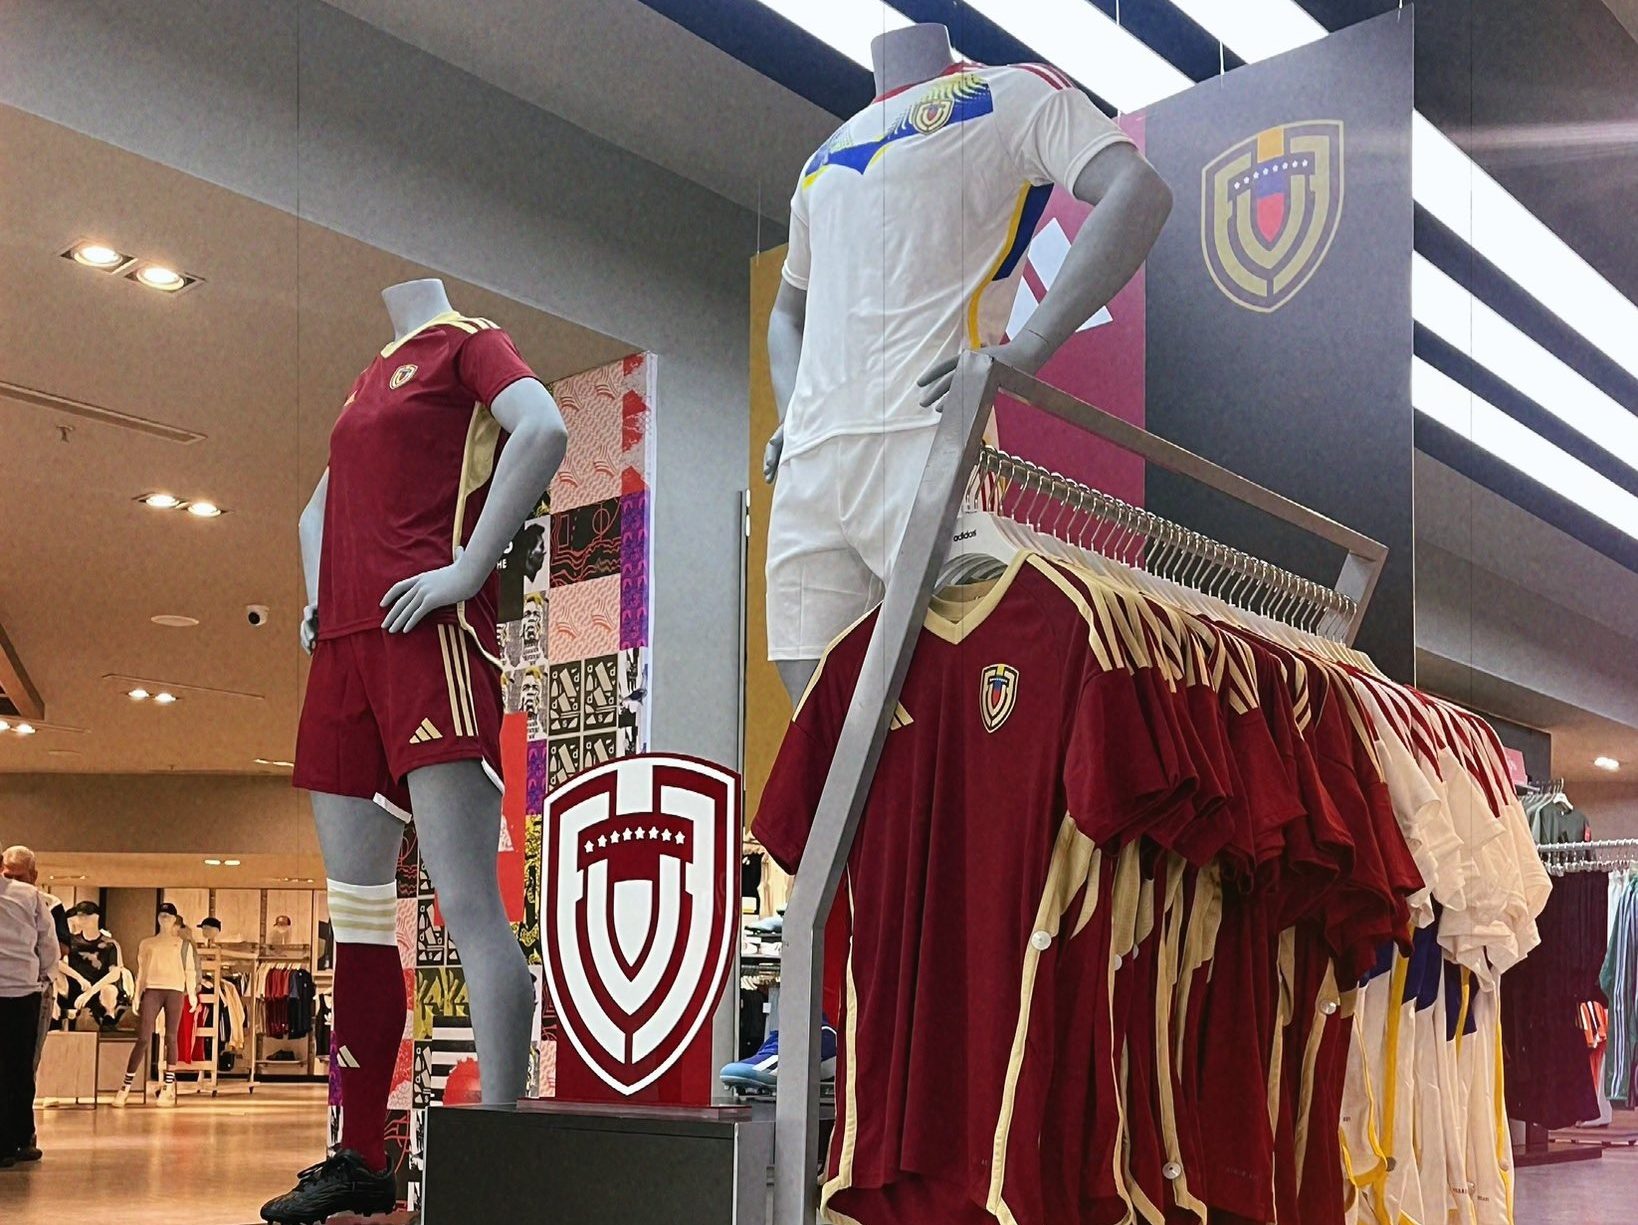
(311, 110)
(128, 914)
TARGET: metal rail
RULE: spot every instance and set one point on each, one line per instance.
(956, 443)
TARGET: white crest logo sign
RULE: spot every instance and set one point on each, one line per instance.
(635, 909)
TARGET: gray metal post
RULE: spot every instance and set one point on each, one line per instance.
(956, 443)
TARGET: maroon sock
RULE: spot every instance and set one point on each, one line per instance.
(369, 1026)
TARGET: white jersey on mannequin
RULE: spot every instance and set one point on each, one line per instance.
(908, 231)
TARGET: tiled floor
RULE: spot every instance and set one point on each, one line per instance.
(1603, 1192)
(211, 1162)
(202, 1162)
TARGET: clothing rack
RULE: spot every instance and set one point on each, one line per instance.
(206, 1071)
(953, 458)
(1607, 855)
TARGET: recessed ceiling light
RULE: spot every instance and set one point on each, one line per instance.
(213, 863)
(175, 621)
(97, 255)
(157, 276)
(160, 501)
(25, 729)
(4, 726)
(204, 510)
(273, 761)
(164, 698)
(230, 863)
(62, 752)
(138, 695)
(1606, 763)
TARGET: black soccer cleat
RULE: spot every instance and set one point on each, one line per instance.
(339, 1183)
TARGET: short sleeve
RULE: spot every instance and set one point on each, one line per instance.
(784, 817)
(798, 255)
(488, 363)
(1060, 130)
(1115, 775)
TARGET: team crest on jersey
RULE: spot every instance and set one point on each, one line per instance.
(931, 114)
(401, 376)
(638, 932)
(1269, 209)
(997, 694)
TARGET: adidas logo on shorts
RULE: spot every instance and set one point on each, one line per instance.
(426, 733)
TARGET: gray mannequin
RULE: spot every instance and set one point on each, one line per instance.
(457, 806)
(1132, 204)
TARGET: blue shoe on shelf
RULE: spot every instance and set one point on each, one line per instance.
(761, 1071)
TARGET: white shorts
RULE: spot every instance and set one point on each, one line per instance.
(839, 513)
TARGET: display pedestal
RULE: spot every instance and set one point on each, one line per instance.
(568, 1164)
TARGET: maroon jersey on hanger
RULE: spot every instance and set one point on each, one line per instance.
(410, 460)
(1022, 728)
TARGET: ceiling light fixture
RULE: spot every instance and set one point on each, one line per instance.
(138, 695)
(1606, 763)
(213, 863)
(25, 729)
(1254, 29)
(845, 25)
(97, 255)
(1444, 307)
(175, 621)
(1090, 47)
(160, 501)
(158, 276)
(163, 698)
(230, 863)
(273, 761)
(1440, 397)
(204, 510)
(4, 726)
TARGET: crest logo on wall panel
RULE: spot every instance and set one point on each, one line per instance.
(1269, 209)
(637, 916)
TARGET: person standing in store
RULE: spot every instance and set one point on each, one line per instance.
(28, 953)
(19, 863)
(167, 977)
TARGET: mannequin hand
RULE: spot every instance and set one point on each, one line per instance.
(1027, 352)
(193, 1002)
(309, 627)
(411, 599)
(770, 455)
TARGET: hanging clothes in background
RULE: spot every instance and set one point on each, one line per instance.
(1549, 1076)
(1619, 980)
(1551, 815)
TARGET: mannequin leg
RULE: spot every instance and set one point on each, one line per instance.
(149, 1007)
(457, 819)
(796, 673)
(360, 841)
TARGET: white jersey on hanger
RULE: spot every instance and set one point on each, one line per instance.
(908, 231)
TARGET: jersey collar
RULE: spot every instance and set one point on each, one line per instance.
(957, 612)
(446, 317)
(958, 66)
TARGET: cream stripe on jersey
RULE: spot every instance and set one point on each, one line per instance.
(847, 1137)
(1066, 873)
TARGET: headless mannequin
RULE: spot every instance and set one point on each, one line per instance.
(457, 807)
(1132, 204)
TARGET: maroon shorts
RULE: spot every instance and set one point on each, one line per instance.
(380, 705)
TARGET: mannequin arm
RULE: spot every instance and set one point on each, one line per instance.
(785, 325)
(538, 439)
(1131, 203)
(310, 528)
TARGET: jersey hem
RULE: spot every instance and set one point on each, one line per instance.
(854, 431)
